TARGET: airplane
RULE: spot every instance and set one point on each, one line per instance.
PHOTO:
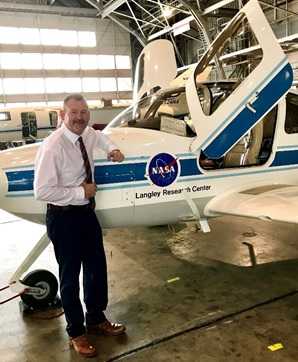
(23, 125)
(195, 147)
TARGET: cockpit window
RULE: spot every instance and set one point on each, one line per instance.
(5, 116)
(291, 122)
(165, 111)
(223, 62)
(134, 112)
(168, 111)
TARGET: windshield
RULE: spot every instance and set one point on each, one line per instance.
(121, 118)
(167, 110)
(132, 113)
(146, 113)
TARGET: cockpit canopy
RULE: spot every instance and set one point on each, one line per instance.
(167, 110)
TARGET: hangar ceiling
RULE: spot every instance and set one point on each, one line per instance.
(149, 19)
(172, 19)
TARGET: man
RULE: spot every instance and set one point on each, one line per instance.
(64, 179)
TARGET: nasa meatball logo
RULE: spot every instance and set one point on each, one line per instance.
(163, 169)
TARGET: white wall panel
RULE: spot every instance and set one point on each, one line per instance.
(34, 68)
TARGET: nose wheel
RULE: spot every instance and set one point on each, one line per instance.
(42, 291)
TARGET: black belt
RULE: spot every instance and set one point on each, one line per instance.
(68, 207)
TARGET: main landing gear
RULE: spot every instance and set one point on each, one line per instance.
(38, 289)
(42, 291)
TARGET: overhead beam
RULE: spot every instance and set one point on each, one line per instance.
(116, 20)
(125, 27)
(108, 8)
(95, 4)
(175, 26)
(190, 18)
(111, 6)
(223, 13)
(216, 6)
(46, 9)
(278, 8)
(287, 39)
(140, 20)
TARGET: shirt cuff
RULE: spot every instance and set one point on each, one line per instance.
(112, 148)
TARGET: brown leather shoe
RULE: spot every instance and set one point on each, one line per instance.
(107, 328)
(82, 346)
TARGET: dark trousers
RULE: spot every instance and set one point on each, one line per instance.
(77, 239)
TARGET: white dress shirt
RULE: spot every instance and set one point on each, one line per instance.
(59, 165)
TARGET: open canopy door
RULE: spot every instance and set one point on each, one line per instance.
(156, 67)
(218, 129)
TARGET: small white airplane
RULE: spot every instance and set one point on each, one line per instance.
(195, 149)
(26, 125)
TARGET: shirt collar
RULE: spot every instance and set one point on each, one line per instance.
(73, 137)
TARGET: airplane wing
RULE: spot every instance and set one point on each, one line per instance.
(279, 203)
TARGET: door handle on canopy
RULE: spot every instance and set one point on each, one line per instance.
(251, 102)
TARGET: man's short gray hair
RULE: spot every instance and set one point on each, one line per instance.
(76, 96)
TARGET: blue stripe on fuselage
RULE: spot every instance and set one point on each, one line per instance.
(189, 167)
(22, 180)
(285, 158)
(107, 174)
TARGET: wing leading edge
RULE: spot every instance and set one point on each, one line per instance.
(278, 204)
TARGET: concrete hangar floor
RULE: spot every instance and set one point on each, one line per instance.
(184, 296)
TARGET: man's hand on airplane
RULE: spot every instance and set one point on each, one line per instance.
(116, 156)
(90, 189)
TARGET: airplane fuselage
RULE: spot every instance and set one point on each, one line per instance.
(157, 178)
(186, 144)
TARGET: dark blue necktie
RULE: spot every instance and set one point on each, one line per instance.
(87, 166)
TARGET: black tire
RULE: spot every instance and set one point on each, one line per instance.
(45, 280)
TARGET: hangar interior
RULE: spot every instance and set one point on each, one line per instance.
(184, 295)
